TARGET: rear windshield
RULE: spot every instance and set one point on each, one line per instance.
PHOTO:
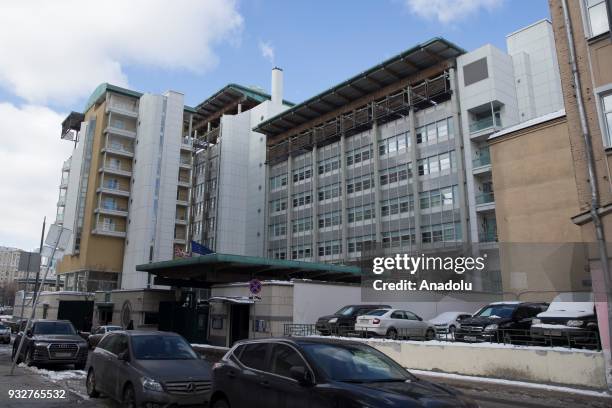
(53, 328)
(346, 311)
(377, 312)
(3, 326)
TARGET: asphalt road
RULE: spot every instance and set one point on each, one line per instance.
(66, 378)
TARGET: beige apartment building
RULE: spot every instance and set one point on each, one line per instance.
(127, 187)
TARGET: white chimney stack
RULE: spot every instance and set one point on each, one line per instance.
(277, 86)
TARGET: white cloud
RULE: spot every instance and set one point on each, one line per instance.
(62, 49)
(267, 51)
(448, 11)
(31, 156)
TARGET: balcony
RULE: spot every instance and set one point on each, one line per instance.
(109, 230)
(110, 129)
(118, 170)
(181, 221)
(108, 209)
(487, 123)
(482, 163)
(485, 201)
(186, 143)
(113, 190)
(61, 202)
(66, 165)
(185, 163)
(64, 183)
(59, 218)
(122, 109)
(487, 236)
(184, 182)
(182, 201)
(118, 149)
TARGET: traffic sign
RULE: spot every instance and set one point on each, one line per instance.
(255, 286)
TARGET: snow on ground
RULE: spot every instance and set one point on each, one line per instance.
(554, 388)
(55, 376)
(461, 344)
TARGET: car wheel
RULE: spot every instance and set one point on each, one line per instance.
(452, 330)
(507, 338)
(430, 334)
(129, 397)
(392, 334)
(221, 403)
(90, 383)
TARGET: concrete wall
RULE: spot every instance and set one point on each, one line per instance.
(534, 364)
(138, 302)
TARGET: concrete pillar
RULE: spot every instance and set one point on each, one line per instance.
(375, 138)
(343, 196)
(460, 155)
(415, 173)
(289, 202)
(315, 204)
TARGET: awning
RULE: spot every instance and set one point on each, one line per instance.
(243, 300)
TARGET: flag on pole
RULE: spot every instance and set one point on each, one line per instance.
(200, 249)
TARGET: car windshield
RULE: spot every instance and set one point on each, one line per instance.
(53, 328)
(156, 347)
(355, 363)
(112, 328)
(497, 311)
(377, 312)
(346, 311)
(2, 327)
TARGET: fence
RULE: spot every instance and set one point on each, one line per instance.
(576, 339)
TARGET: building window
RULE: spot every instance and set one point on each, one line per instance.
(401, 238)
(301, 174)
(302, 199)
(359, 244)
(606, 104)
(449, 232)
(330, 219)
(395, 174)
(362, 213)
(277, 182)
(329, 192)
(329, 165)
(301, 252)
(395, 206)
(278, 205)
(597, 15)
(278, 230)
(278, 253)
(328, 248)
(302, 225)
(360, 184)
(358, 155)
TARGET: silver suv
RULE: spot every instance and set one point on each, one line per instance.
(147, 368)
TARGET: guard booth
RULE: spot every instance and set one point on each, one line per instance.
(202, 322)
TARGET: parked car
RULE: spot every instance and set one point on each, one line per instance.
(447, 322)
(506, 322)
(51, 342)
(343, 321)
(96, 335)
(394, 323)
(5, 334)
(570, 319)
(302, 372)
(148, 368)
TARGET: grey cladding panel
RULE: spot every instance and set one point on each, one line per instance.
(475, 71)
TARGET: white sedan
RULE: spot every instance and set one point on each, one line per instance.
(394, 323)
(448, 322)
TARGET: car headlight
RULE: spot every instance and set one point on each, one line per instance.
(333, 320)
(491, 327)
(575, 323)
(151, 384)
(536, 321)
(40, 344)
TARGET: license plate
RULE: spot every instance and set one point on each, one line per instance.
(470, 338)
(363, 320)
(551, 333)
(60, 355)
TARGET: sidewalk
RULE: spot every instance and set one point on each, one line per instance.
(24, 379)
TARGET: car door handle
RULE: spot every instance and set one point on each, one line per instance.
(264, 384)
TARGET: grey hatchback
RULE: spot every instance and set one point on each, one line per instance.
(145, 368)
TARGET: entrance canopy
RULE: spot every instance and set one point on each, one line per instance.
(207, 270)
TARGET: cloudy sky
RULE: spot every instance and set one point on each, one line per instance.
(54, 53)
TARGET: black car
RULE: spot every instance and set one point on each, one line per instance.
(148, 368)
(343, 321)
(506, 322)
(51, 342)
(305, 372)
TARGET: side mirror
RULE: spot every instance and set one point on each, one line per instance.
(29, 333)
(301, 375)
(420, 318)
(123, 356)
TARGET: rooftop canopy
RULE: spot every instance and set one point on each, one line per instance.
(401, 66)
(207, 270)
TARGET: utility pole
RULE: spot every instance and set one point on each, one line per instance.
(25, 286)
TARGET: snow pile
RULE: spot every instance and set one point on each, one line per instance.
(57, 376)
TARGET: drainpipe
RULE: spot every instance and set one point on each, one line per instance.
(599, 231)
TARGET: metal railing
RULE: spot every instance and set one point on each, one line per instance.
(483, 159)
(581, 339)
(487, 236)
